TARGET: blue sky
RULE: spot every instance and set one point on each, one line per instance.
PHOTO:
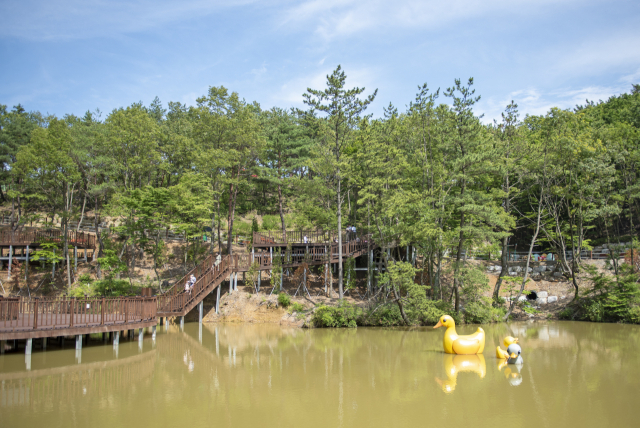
(76, 55)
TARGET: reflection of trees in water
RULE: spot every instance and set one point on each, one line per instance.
(48, 387)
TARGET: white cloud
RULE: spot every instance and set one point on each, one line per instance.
(597, 54)
(331, 19)
(535, 102)
(72, 19)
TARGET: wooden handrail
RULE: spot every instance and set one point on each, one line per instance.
(40, 314)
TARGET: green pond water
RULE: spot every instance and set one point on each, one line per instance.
(574, 375)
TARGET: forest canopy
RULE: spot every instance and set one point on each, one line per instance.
(433, 177)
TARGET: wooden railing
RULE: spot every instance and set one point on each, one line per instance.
(208, 276)
(312, 255)
(38, 236)
(56, 313)
(297, 237)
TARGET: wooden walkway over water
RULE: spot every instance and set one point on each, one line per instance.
(55, 317)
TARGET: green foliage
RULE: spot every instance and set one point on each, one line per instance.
(252, 275)
(110, 263)
(270, 222)
(48, 251)
(350, 273)
(109, 287)
(296, 307)
(284, 300)
(482, 312)
(612, 299)
(344, 315)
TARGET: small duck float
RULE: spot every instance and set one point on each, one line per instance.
(514, 350)
(503, 355)
(461, 345)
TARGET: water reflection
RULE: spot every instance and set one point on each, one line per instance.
(49, 388)
(245, 375)
(511, 372)
(454, 364)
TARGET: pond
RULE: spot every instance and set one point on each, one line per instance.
(574, 374)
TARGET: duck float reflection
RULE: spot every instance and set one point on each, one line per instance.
(461, 345)
(503, 355)
(454, 364)
(511, 373)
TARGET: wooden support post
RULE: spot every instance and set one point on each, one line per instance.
(44, 343)
(85, 254)
(28, 346)
(26, 268)
(116, 338)
(78, 342)
(140, 338)
(161, 318)
(181, 323)
(75, 258)
(10, 259)
(259, 278)
(3, 344)
(218, 300)
(200, 311)
(230, 283)
(236, 282)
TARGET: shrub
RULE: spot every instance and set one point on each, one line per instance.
(612, 299)
(284, 300)
(112, 288)
(385, 316)
(345, 315)
(270, 222)
(297, 307)
(481, 312)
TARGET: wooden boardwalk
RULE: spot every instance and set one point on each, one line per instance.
(40, 318)
(34, 238)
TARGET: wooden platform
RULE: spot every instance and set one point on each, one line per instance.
(27, 319)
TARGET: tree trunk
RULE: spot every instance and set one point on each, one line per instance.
(340, 287)
(396, 296)
(526, 269)
(284, 229)
(233, 192)
(504, 262)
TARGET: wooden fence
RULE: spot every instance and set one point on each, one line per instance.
(39, 236)
(59, 313)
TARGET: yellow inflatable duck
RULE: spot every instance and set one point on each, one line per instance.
(458, 364)
(503, 355)
(461, 345)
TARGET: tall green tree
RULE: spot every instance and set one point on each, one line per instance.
(342, 108)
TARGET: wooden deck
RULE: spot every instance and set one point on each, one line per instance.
(35, 237)
(37, 318)
(27, 319)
